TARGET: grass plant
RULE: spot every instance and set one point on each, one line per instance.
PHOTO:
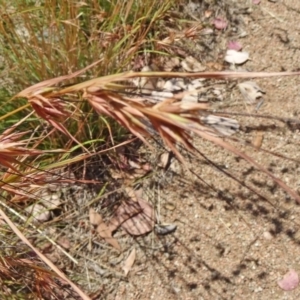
(67, 69)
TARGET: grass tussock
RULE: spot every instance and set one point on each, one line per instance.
(59, 115)
(40, 41)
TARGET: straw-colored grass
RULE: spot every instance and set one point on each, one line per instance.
(59, 111)
(40, 41)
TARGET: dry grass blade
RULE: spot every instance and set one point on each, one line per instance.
(52, 109)
(33, 276)
(10, 148)
(172, 119)
(234, 150)
(46, 86)
(24, 219)
(42, 256)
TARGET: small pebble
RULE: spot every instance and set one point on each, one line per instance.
(165, 229)
(169, 206)
(267, 235)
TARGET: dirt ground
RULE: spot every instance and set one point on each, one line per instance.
(237, 232)
(232, 242)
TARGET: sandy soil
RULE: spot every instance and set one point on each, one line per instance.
(232, 242)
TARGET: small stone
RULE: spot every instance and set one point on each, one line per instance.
(258, 289)
(165, 229)
(236, 57)
(267, 235)
(289, 281)
(169, 206)
(38, 213)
